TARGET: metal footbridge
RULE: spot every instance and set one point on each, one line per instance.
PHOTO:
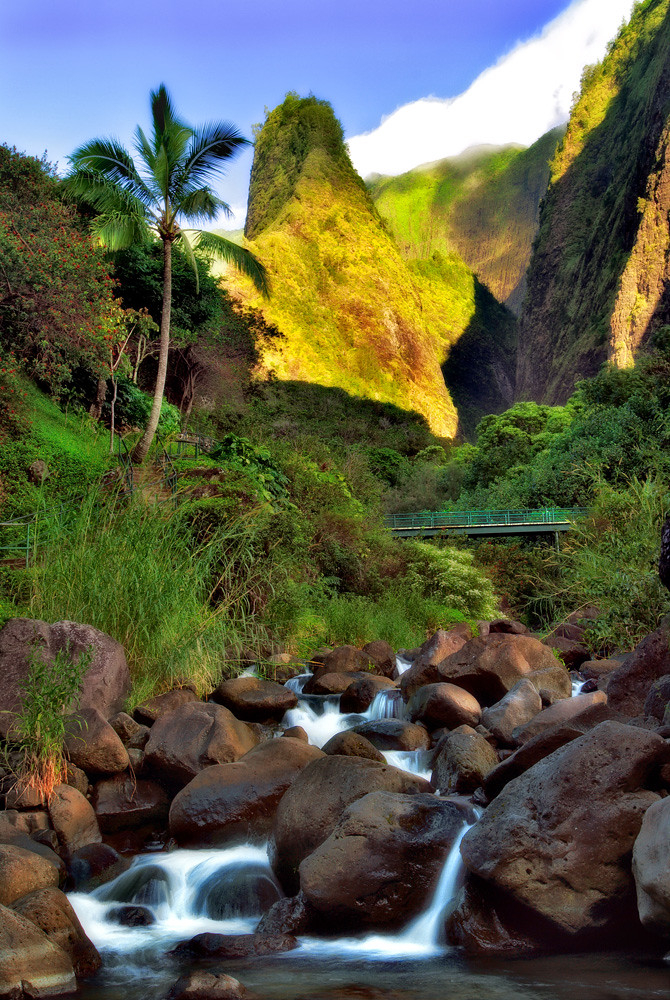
(485, 522)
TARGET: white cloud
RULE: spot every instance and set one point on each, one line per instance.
(528, 92)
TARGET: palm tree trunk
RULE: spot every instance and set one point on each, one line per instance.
(141, 449)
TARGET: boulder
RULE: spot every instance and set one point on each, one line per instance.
(489, 666)
(521, 704)
(572, 652)
(23, 871)
(148, 711)
(433, 652)
(50, 910)
(651, 867)
(595, 670)
(629, 685)
(462, 761)
(342, 660)
(77, 778)
(131, 916)
(437, 705)
(73, 819)
(296, 733)
(236, 891)
(657, 699)
(486, 923)
(131, 733)
(290, 915)
(232, 946)
(236, 801)
(506, 626)
(332, 682)
(350, 744)
(124, 801)
(31, 965)
(105, 684)
(254, 700)
(193, 737)
(25, 797)
(14, 823)
(93, 865)
(380, 865)
(360, 694)
(92, 745)
(558, 839)
(394, 734)
(312, 806)
(45, 847)
(557, 714)
(382, 655)
(208, 986)
(552, 683)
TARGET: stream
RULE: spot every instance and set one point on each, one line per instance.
(188, 892)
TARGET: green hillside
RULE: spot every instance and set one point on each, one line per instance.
(598, 277)
(483, 204)
(353, 313)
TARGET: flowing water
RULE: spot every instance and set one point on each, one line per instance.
(187, 892)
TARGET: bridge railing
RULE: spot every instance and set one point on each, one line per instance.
(484, 518)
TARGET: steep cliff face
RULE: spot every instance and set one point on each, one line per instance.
(484, 205)
(352, 313)
(598, 278)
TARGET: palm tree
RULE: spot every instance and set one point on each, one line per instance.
(170, 186)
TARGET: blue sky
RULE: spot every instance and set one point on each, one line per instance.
(73, 69)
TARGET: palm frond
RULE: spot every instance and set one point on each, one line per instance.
(201, 205)
(104, 196)
(212, 144)
(236, 255)
(118, 231)
(143, 147)
(187, 247)
(110, 159)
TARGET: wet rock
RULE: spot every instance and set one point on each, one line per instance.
(360, 694)
(73, 819)
(380, 865)
(208, 986)
(557, 714)
(254, 700)
(312, 806)
(571, 652)
(50, 910)
(105, 685)
(296, 733)
(506, 626)
(124, 801)
(231, 946)
(193, 737)
(521, 704)
(25, 797)
(447, 705)
(629, 685)
(342, 660)
(31, 966)
(433, 652)
(23, 871)
(152, 709)
(131, 916)
(657, 699)
(394, 734)
(553, 684)
(132, 734)
(93, 865)
(77, 778)
(462, 761)
(331, 682)
(486, 923)
(14, 823)
(232, 802)
(291, 915)
(597, 669)
(651, 867)
(558, 839)
(350, 744)
(45, 850)
(92, 745)
(143, 885)
(382, 655)
(234, 892)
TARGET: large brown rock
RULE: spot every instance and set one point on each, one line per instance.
(382, 655)
(14, 823)
(193, 737)
(92, 744)
(93, 865)
(50, 910)
(255, 700)
(360, 694)
(148, 711)
(558, 714)
(22, 872)
(226, 947)
(462, 761)
(558, 839)
(30, 964)
(651, 867)
(125, 801)
(489, 666)
(629, 685)
(433, 652)
(394, 734)
(521, 704)
(208, 986)
(487, 923)
(105, 685)
(332, 682)
(342, 660)
(236, 801)
(73, 819)
(312, 806)
(380, 865)
(658, 698)
(438, 705)
(349, 744)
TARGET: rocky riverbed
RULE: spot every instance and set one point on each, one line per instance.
(473, 797)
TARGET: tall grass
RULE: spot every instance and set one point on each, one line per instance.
(134, 571)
